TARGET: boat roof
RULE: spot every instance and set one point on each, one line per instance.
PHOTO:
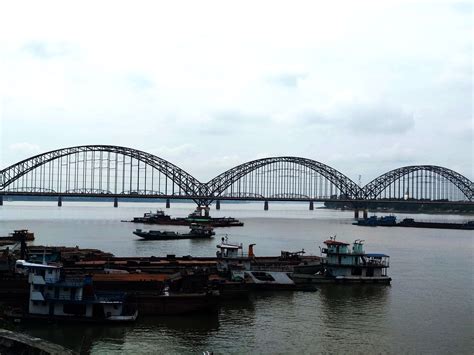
(334, 242)
(376, 255)
(33, 265)
(229, 246)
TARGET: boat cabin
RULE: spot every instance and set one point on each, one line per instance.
(53, 295)
(352, 263)
(231, 256)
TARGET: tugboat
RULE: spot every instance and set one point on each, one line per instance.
(345, 265)
(54, 297)
(197, 231)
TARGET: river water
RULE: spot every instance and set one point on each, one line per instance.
(427, 309)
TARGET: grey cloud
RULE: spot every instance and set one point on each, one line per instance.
(463, 7)
(140, 81)
(289, 80)
(46, 50)
(227, 122)
(356, 118)
(378, 119)
(312, 118)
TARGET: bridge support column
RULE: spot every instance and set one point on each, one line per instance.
(356, 213)
(311, 205)
(365, 213)
(1, 200)
(60, 201)
(168, 203)
(115, 202)
(218, 205)
(265, 206)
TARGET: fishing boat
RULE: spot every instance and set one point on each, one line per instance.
(197, 231)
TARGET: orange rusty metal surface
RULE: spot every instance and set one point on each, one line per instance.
(130, 277)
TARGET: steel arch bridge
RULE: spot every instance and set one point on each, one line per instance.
(97, 169)
(114, 171)
(419, 182)
(283, 178)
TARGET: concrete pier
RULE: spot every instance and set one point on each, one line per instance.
(356, 213)
(218, 205)
(115, 202)
(311, 205)
(60, 201)
(265, 206)
(365, 213)
(168, 203)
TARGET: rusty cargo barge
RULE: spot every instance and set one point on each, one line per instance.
(200, 216)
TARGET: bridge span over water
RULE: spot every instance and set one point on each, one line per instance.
(121, 172)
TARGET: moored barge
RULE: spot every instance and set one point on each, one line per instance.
(197, 231)
(343, 264)
(200, 216)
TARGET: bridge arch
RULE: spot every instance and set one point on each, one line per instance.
(429, 182)
(282, 176)
(91, 168)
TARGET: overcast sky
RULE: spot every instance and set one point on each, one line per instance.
(364, 87)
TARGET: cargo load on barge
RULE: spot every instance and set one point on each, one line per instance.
(200, 216)
(197, 231)
(391, 221)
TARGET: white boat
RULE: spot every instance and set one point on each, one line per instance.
(344, 264)
(53, 296)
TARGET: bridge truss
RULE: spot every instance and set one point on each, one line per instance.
(104, 170)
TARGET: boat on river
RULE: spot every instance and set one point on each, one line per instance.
(200, 216)
(391, 221)
(410, 222)
(197, 231)
(374, 221)
(52, 296)
(343, 264)
(253, 275)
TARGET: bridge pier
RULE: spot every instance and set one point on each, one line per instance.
(356, 213)
(265, 206)
(311, 205)
(115, 202)
(365, 213)
(1, 200)
(168, 203)
(60, 201)
(218, 205)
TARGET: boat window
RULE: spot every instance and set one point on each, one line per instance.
(369, 272)
(356, 271)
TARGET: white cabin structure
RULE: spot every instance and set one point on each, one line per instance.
(53, 295)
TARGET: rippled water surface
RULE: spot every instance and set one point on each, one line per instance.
(428, 308)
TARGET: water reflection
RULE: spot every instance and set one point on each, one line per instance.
(78, 337)
(355, 314)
